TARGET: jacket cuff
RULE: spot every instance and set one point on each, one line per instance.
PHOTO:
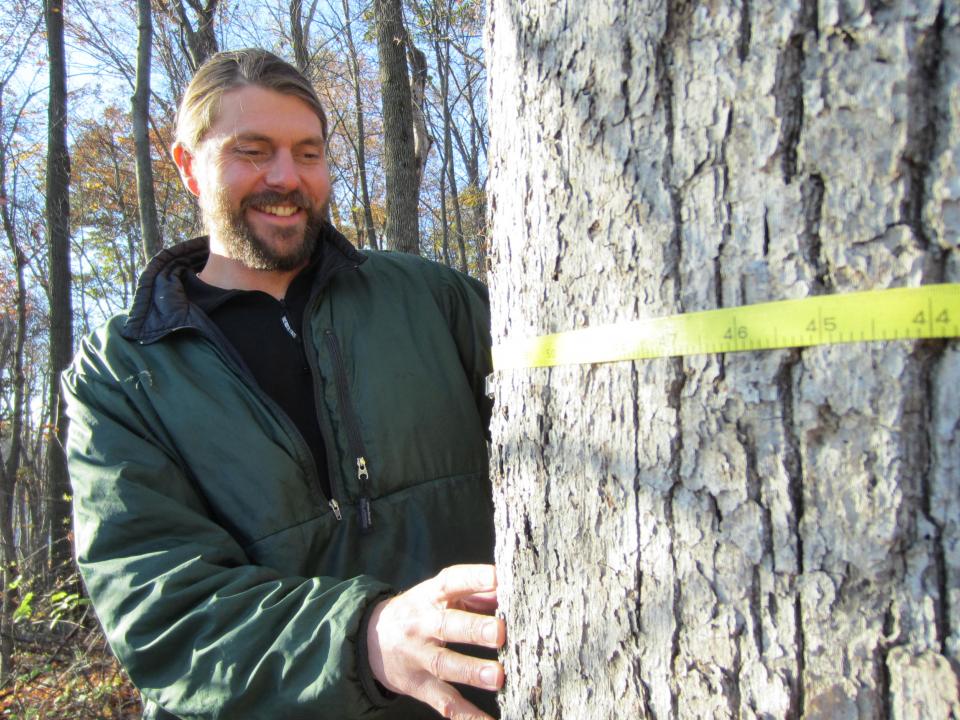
(376, 693)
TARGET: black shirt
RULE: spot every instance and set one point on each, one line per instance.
(268, 335)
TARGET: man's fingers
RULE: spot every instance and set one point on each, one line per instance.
(458, 581)
(457, 626)
(451, 666)
(448, 702)
(479, 602)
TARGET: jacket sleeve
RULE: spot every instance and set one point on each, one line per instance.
(467, 307)
(202, 631)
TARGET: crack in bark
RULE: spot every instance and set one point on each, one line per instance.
(730, 680)
(726, 232)
(755, 493)
(675, 24)
(929, 354)
(788, 88)
(743, 40)
(811, 244)
(923, 86)
(766, 232)
(674, 401)
(638, 572)
(883, 669)
(793, 466)
(626, 65)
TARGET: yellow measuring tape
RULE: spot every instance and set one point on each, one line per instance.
(932, 311)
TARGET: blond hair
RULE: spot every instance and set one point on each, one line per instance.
(225, 71)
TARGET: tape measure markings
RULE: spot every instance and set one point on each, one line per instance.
(931, 311)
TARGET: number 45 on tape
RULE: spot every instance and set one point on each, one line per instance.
(932, 311)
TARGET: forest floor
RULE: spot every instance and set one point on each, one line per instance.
(72, 677)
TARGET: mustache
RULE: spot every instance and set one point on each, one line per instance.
(272, 197)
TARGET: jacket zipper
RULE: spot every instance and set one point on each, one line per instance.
(353, 432)
(222, 346)
(333, 470)
(288, 326)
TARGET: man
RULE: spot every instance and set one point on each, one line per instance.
(280, 435)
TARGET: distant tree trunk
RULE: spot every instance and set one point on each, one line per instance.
(750, 535)
(471, 158)
(369, 229)
(300, 35)
(422, 140)
(10, 466)
(441, 46)
(444, 225)
(61, 311)
(149, 228)
(402, 228)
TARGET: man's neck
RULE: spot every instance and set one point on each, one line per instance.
(229, 274)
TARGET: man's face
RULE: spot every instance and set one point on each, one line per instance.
(261, 178)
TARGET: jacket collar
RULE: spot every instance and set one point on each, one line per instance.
(160, 304)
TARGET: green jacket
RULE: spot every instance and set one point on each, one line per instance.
(226, 583)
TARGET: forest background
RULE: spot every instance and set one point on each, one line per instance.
(403, 86)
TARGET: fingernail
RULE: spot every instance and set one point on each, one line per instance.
(489, 676)
(490, 633)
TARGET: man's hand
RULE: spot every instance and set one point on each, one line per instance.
(407, 635)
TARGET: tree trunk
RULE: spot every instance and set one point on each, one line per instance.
(369, 230)
(200, 42)
(760, 534)
(441, 47)
(422, 141)
(402, 227)
(149, 229)
(471, 159)
(10, 468)
(61, 312)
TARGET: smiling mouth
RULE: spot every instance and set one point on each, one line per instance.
(278, 210)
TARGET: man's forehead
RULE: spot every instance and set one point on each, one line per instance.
(254, 112)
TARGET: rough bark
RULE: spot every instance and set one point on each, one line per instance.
(147, 204)
(767, 534)
(58, 287)
(402, 227)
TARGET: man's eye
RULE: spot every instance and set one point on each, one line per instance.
(249, 152)
(311, 156)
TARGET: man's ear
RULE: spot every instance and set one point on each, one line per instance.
(184, 160)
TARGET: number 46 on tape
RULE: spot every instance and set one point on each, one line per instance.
(932, 311)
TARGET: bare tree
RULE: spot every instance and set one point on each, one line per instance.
(10, 465)
(300, 25)
(58, 286)
(369, 230)
(743, 535)
(149, 228)
(197, 38)
(402, 230)
(440, 30)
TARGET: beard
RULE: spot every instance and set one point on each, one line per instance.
(243, 244)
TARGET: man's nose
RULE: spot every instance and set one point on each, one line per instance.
(282, 172)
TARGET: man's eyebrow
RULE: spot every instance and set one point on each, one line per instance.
(258, 137)
(247, 137)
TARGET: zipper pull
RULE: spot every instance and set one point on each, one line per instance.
(366, 513)
(335, 506)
